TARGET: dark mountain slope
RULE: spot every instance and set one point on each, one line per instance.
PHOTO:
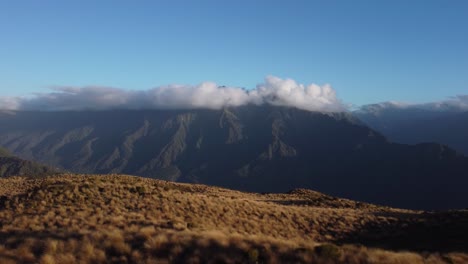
(255, 148)
(13, 166)
(412, 126)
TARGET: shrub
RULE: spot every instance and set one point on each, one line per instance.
(447, 259)
(253, 256)
(328, 251)
(140, 190)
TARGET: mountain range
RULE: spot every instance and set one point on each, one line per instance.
(251, 148)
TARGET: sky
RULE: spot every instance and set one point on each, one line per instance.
(368, 51)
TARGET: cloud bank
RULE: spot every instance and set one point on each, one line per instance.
(453, 104)
(274, 91)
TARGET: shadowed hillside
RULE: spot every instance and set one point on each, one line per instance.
(251, 148)
(13, 166)
(122, 219)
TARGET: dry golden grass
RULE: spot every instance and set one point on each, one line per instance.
(125, 219)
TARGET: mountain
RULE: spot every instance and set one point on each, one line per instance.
(13, 166)
(412, 125)
(250, 148)
(124, 219)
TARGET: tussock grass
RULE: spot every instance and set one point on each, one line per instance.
(125, 219)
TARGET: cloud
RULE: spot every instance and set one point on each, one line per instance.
(456, 104)
(10, 103)
(287, 92)
(274, 91)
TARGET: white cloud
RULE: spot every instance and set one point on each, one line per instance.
(287, 92)
(459, 102)
(455, 103)
(275, 91)
(9, 103)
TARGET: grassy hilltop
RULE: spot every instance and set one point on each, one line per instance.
(124, 219)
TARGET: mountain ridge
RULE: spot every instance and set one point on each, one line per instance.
(412, 125)
(251, 148)
(14, 166)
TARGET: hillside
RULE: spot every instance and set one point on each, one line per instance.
(13, 166)
(123, 219)
(251, 148)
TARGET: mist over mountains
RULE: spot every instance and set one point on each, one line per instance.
(207, 95)
(255, 148)
(445, 122)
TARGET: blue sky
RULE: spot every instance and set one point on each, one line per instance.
(369, 51)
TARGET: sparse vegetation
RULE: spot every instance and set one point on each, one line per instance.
(124, 219)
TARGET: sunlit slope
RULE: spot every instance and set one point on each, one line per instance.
(120, 219)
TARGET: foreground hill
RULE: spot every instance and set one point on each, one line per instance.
(413, 125)
(251, 148)
(121, 219)
(14, 166)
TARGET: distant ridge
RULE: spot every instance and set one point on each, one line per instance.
(13, 166)
(414, 125)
